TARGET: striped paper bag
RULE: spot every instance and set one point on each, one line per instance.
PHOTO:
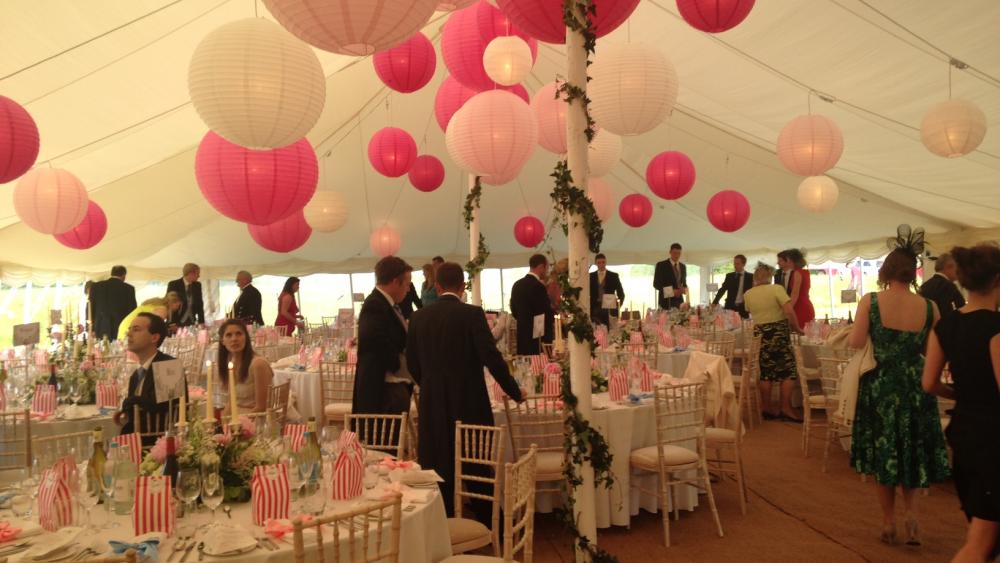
(538, 362)
(352, 356)
(720, 323)
(55, 500)
(154, 509)
(315, 357)
(636, 343)
(269, 493)
(645, 378)
(107, 395)
(297, 433)
(348, 472)
(601, 335)
(303, 356)
(134, 443)
(617, 384)
(497, 393)
(553, 379)
(44, 402)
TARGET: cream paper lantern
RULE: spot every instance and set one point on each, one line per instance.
(633, 88)
(809, 145)
(604, 153)
(599, 192)
(493, 134)
(326, 212)
(818, 194)
(256, 85)
(51, 201)
(507, 60)
(954, 128)
(550, 112)
(385, 241)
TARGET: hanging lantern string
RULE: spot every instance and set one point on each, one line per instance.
(524, 199)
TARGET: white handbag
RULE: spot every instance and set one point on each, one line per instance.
(862, 363)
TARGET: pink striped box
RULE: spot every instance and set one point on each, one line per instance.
(297, 433)
(134, 443)
(553, 380)
(349, 468)
(269, 491)
(154, 509)
(617, 384)
(55, 500)
(107, 395)
(44, 401)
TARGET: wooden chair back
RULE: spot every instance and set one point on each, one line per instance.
(129, 556)
(368, 534)
(721, 344)
(151, 425)
(336, 382)
(680, 414)
(806, 374)
(277, 401)
(51, 448)
(382, 432)
(537, 422)
(483, 446)
(519, 507)
(831, 372)
(15, 439)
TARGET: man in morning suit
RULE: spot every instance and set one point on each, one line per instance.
(528, 299)
(447, 346)
(382, 384)
(145, 335)
(671, 275)
(782, 275)
(941, 288)
(188, 288)
(735, 284)
(604, 282)
(111, 301)
(247, 305)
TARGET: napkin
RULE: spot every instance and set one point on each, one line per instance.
(50, 543)
(144, 549)
(409, 495)
(415, 477)
(74, 412)
(391, 464)
(286, 362)
(23, 529)
(226, 540)
(278, 528)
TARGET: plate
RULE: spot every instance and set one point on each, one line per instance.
(232, 553)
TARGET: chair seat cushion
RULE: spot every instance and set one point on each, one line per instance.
(818, 401)
(472, 559)
(720, 435)
(645, 458)
(549, 463)
(463, 530)
(337, 409)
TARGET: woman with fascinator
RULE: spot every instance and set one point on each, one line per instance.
(897, 434)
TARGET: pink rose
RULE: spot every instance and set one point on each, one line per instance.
(247, 427)
(223, 439)
(86, 365)
(159, 450)
(196, 393)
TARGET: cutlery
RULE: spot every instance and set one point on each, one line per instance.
(177, 548)
(201, 551)
(228, 510)
(187, 551)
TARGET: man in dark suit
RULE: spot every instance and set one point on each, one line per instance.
(941, 288)
(188, 288)
(382, 384)
(783, 275)
(411, 301)
(604, 282)
(670, 279)
(145, 335)
(447, 346)
(247, 305)
(111, 301)
(528, 300)
(735, 284)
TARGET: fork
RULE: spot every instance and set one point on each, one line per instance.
(85, 552)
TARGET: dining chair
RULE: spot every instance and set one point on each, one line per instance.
(478, 451)
(831, 373)
(538, 422)
(382, 432)
(150, 425)
(130, 556)
(336, 380)
(750, 377)
(721, 344)
(368, 534)
(724, 453)
(60, 445)
(15, 439)
(277, 401)
(811, 399)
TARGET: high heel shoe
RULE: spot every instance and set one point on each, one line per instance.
(912, 532)
(888, 534)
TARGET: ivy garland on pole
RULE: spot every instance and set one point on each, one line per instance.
(475, 266)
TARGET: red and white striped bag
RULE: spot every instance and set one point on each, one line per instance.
(315, 357)
(348, 469)
(303, 355)
(269, 493)
(496, 392)
(553, 380)
(55, 500)
(636, 343)
(134, 443)
(352, 356)
(107, 395)
(298, 434)
(646, 378)
(44, 401)
(617, 384)
(538, 364)
(3, 399)
(154, 509)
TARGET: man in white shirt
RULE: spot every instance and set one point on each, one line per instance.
(670, 279)
(735, 284)
(529, 301)
(145, 335)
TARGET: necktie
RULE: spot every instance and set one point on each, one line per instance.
(140, 373)
(399, 313)
(739, 291)
(677, 275)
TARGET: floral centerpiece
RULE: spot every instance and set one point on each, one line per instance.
(680, 316)
(72, 364)
(598, 382)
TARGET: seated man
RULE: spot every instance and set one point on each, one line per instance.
(145, 335)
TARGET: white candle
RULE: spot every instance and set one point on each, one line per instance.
(182, 413)
(233, 414)
(209, 403)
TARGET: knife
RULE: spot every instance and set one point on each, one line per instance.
(187, 551)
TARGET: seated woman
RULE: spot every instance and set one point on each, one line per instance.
(253, 372)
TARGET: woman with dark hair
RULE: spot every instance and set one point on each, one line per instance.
(897, 432)
(288, 310)
(798, 284)
(968, 339)
(253, 372)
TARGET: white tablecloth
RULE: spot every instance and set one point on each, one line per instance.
(305, 386)
(674, 363)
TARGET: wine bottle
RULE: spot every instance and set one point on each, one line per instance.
(125, 476)
(95, 467)
(53, 380)
(170, 466)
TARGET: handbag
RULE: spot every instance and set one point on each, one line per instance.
(861, 364)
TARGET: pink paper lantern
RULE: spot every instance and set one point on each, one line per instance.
(285, 235)
(427, 173)
(670, 175)
(50, 200)
(529, 231)
(89, 232)
(465, 37)
(493, 134)
(551, 114)
(452, 95)
(728, 211)
(635, 210)
(599, 192)
(18, 140)
(809, 145)
(500, 180)
(714, 16)
(385, 241)
(255, 187)
(392, 151)
(543, 19)
(452, 5)
(407, 67)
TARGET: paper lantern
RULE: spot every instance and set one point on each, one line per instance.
(326, 212)
(728, 211)
(18, 140)
(50, 200)
(255, 187)
(670, 175)
(714, 16)
(465, 37)
(550, 112)
(543, 19)
(604, 153)
(89, 232)
(633, 88)
(635, 210)
(809, 145)
(407, 67)
(818, 193)
(352, 27)
(452, 95)
(493, 134)
(529, 231)
(256, 85)
(453, 5)
(951, 129)
(385, 241)
(427, 173)
(282, 236)
(507, 60)
(392, 151)
(599, 192)
(500, 180)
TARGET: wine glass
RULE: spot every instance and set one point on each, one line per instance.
(329, 436)
(75, 391)
(212, 491)
(87, 492)
(188, 487)
(108, 488)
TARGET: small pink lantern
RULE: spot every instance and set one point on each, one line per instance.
(285, 235)
(635, 210)
(599, 192)
(385, 241)
(50, 200)
(670, 175)
(714, 16)
(809, 145)
(89, 232)
(543, 19)
(427, 173)
(728, 211)
(551, 114)
(255, 187)
(465, 37)
(18, 140)
(452, 95)
(407, 67)
(493, 134)
(529, 231)
(392, 151)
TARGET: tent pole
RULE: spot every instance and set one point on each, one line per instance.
(476, 296)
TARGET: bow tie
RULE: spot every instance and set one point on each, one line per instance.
(143, 549)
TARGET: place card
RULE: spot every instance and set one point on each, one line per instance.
(168, 379)
(26, 334)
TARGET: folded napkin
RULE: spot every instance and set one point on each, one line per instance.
(415, 477)
(278, 528)
(228, 540)
(74, 412)
(409, 495)
(390, 464)
(48, 544)
(21, 530)
(286, 362)
(148, 549)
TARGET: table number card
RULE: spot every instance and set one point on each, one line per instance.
(169, 380)
(26, 334)
(848, 296)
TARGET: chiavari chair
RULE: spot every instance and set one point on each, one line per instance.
(336, 390)
(368, 534)
(478, 451)
(538, 422)
(382, 432)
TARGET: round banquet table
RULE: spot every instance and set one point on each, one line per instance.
(675, 363)
(305, 385)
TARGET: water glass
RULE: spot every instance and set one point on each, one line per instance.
(87, 495)
(188, 486)
(212, 491)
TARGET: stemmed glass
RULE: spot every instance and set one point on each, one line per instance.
(212, 491)
(75, 391)
(108, 488)
(87, 493)
(188, 487)
(329, 444)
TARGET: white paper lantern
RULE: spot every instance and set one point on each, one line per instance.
(809, 145)
(818, 194)
(604, 153)
(550, 112)
(599, 192)
(507, 60)
(493, 134)
(953, 128)
(385, 241)
(326, 212)
(633, 88)
(50, 200)
(256, 85)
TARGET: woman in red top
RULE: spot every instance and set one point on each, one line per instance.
(288, 310)
(798, 285)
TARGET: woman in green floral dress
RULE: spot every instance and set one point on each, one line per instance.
(897, 434)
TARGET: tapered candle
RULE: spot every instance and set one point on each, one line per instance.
(209, 403)
(182, 412)
(233, 415)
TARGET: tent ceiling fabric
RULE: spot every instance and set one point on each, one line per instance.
(116, 112)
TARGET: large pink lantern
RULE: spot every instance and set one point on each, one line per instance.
(89, 232)
(385, 241)
(728, 211)
(714, 16)
(493, 134)
(670, 175)
(255, 187)
(50, 200)
(543, 19)
(427, 173)
(599, 192)
(635, 210)
(500, 180)
(452, 5)
(392, 152)
(452, 95)
(352, 27)
(465, 37)
(282, 236)
(551, 114)
(18, 140)
(809, 145)
(529, 231)
(408, 67)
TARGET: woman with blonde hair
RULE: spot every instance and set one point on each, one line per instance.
(428, 291)
(156, 305)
